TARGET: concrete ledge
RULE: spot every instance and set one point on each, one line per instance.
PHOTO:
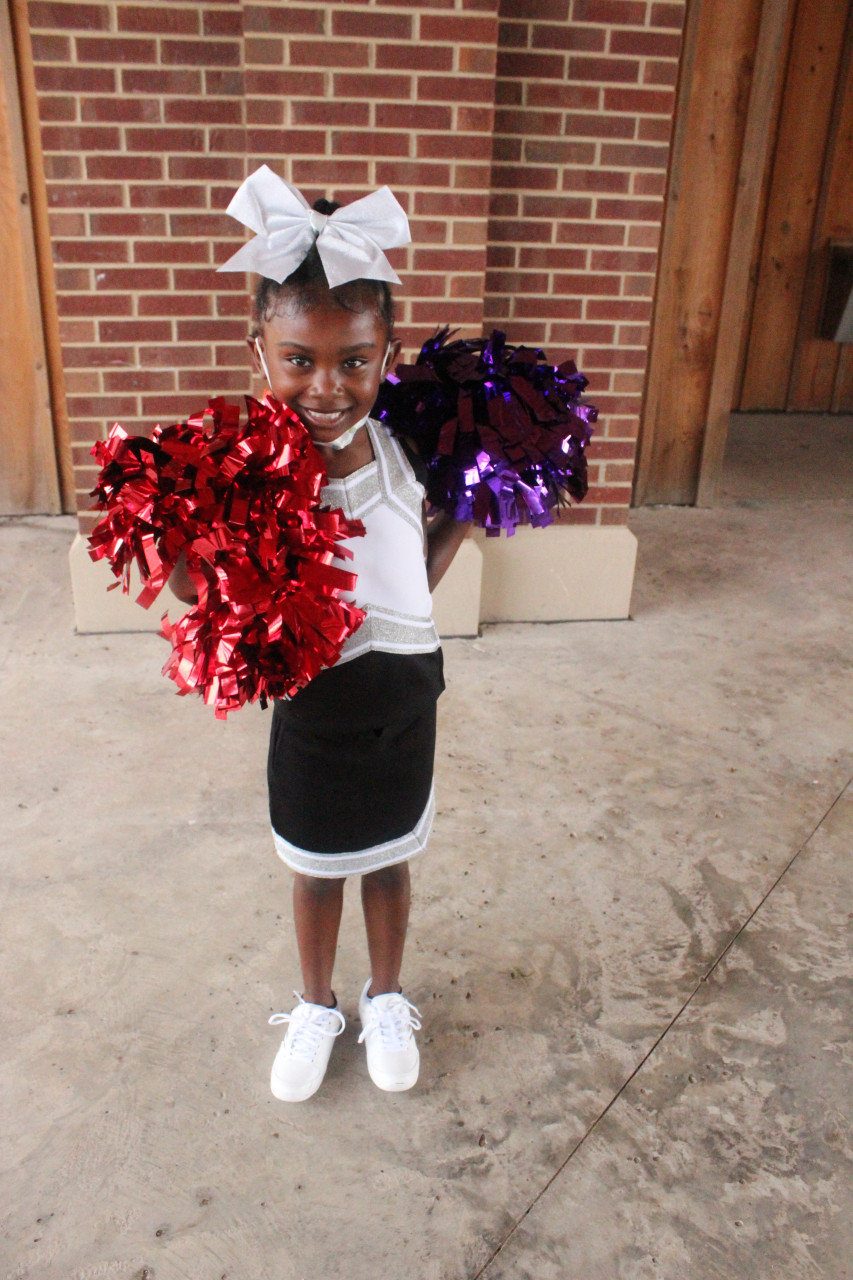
(456, 599)
(98, 609)
(565, 573)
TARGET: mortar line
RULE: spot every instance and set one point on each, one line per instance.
(704, 978)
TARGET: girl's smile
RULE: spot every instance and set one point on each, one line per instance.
(325, 363)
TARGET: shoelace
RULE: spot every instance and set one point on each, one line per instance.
(395, 1021)
(307, 1021)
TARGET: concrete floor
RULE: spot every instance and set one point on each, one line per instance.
(630, 939)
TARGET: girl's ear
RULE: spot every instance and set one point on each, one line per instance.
(252, 343)
(394, 349)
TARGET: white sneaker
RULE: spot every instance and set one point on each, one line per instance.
(389, 1023)
(301, 1061)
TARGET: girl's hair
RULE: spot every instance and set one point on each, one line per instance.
(307, 286)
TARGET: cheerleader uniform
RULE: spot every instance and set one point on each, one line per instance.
(350, 766)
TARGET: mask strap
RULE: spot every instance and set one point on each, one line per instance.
(260, 352)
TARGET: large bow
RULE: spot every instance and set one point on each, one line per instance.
(349, 241)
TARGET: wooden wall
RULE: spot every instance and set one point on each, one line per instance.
(761, 179)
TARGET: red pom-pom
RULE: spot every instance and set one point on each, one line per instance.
(241, 501)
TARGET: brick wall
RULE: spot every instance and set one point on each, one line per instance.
(585, 98)
(153, 113)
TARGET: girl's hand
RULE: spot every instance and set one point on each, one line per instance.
(180, 582)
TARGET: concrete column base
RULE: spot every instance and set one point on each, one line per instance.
(565, 573)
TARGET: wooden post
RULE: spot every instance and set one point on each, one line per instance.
(757, 143)
(28, 477)
(716, 74)
(41, 229)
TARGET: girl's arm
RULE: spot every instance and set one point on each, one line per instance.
(181, 583)
(444, 537)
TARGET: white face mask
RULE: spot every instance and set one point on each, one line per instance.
(349, 435)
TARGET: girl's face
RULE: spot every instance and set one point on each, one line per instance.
(326, 364)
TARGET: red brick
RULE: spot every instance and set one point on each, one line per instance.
(265, 111)
(570, 38)
(556, 10)
(412, 173)
(220, 381)
(174, 357)
(476, 62)
(639, 286)
(128, 224)
(466, 286)
(381, 26)
(643, 101)
(95, 357)
(555, 207)
(457, 29)
(75, 79)
(618, 12)
(56, 109)
(138, 379)
(634, 335)
(266, 51)
(634, 156)
(328, 53)
(91, 305)
(211, 168)
(159, 141)
(549, 258)
(623, 309)
(448, 259)
(331, 113)
(630, 210)
(171, 408)
(519, 121)
(472, 176)
(60, 167)
(109, 407)
(646, 44)
(406, 115)
(85, 196)
(203, 111)
(210, 330)
(202, 280)
(224, 83)
(504, 204)
(598, 126)
(509, 93)
(67, 224)
(373, 86)
(657, 72)
(63, 137)
(611, 495)
(326, 171)
(507, 149)
(176, 304)
(138, 80)
(216, 23)
(524, 178)
(573, 97)
(548, 307)
(50, 48)
(117, 110)
(644, 237)
(227, 139)
(160, 18)
(283, 19)
(606, 70)
(513, 35)
(89, 251)
(279, 141)
(654, 130)
(595, 180)
(414, 57)
(611, 515)
(138, 167)
(588, 285)
(554, 151)
(667, 15)
(452, 89)
(455, 146)
(616, 357)
(170, 196)
(518, 64)
(518, 231)
(370, 142)
(68, 17)
(425, 285)
(428, 231)
(473, 119)
(135, 330)
(142, 278)
(576, 334)
(76, 331)
(113, 49)
(200, 53)
(622, 260)
(445, 312)
(516, 282)
(452, 204)
(159, 252)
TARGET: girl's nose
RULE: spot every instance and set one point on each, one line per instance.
(324, 380)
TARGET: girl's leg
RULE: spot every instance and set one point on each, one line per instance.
(317, 906)
(385, 898)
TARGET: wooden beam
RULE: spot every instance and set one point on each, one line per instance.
(716, 73)
(807, 110)
(41, 227)
(767, 80)
(28, 479)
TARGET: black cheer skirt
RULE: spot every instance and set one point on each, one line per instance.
(343, 802)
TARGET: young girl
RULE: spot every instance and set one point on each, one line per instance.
(351, 755)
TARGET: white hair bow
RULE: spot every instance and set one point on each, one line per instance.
(349, 241)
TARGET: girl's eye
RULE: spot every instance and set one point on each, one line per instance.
(300, 362)
(355, 362)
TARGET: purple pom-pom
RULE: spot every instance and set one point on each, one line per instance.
(502, 431)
